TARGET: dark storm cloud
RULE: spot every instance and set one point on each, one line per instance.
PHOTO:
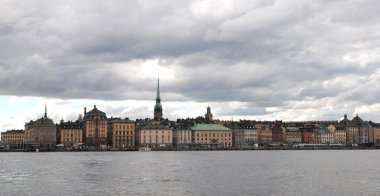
(267, 53)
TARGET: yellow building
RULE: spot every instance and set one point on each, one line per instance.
(71, 133)
(121, 132)
(12, 137)
(376, 135)
(264, 134)
(154, 135)
(211, 134)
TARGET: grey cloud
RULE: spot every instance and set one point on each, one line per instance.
(268, 53)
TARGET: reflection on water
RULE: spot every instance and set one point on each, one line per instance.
(191, 173)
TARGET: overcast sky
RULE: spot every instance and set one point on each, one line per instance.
(263, 60)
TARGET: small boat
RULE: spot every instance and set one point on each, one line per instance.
(145, 149)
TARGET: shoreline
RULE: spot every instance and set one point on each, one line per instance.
(199, 149)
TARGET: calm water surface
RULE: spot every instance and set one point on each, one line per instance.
(345, 172)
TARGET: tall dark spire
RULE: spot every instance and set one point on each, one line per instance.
(45, 111)
(158, 106)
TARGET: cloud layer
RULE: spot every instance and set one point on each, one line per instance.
(291, 60)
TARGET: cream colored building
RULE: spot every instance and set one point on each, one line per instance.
(13, 137)
(211, 134)
(121, 132)
(181, 137)
(352, 135)
(293, 135)
(154, 135)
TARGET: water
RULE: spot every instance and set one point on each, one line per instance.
(328, 172)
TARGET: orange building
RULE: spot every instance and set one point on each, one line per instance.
(95, 128)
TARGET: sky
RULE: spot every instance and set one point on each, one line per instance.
(290, 60)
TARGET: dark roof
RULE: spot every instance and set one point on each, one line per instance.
(93, 113)
(42, 122)
(155, 127)
(118, 120)
(209, 127)
(13, 132)
(70, 125)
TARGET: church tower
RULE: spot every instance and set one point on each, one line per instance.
(158, 106)
(208, 115)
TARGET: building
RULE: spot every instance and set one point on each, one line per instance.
(293, 135)
(324, 135)
(154, 135)
(158, 106)
(95, 128)
(278, 133)
(250, 136)
(208, 115)
(13, 138)
(339, 134)
(264, 134)
(376, 135)
(238, 138)
(182, 137)
(121, 133)
(41, 132)
(308, 134)
(211, 135)
(71, 133)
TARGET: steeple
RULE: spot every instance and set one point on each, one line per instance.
(45, 111)
(158, 99)
(158, 106)
(208, 115)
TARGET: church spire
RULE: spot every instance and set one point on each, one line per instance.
(158, 106)
(158, 99)
(45, 111)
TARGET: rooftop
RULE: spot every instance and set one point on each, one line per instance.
(209, 127)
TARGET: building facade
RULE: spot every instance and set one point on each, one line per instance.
(278, 133)
(376, 135)
(238, 138)
(264, 134)
(250, 136)
(121, 133)
(293, 135)
(182, 137)
(71, 133)
(13, 137)
(211, 135)
(41, 132)
(154, 135)
(95, 128)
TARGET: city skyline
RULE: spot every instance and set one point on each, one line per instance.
(260, 60)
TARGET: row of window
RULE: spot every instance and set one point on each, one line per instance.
(213, 134)
(124, 126)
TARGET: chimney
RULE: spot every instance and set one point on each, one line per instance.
(85, 110)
